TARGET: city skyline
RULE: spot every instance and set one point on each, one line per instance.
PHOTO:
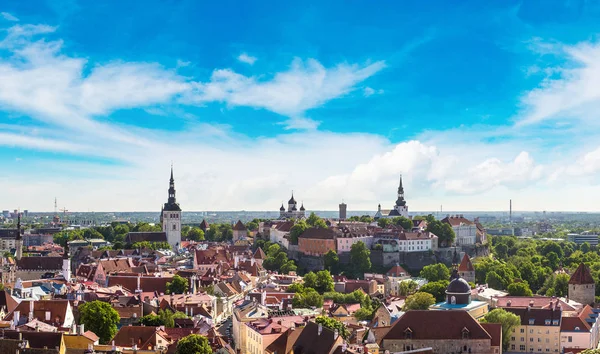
(473, 104)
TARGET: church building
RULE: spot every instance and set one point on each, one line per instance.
(400, 208)
(170, 217)
(292, 211)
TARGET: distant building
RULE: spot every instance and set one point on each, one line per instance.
(400, 208)
(349, 235)
(583, 237)
(170, 216)
(239, 231)
(292, 211)
(342, 214)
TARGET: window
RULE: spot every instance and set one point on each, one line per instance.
(174, 227)
(522, 330)
(512, 338)
(555, 322)
(531, 322)
(522, 347)
(531, 331)
(512, 347)
(570, 339)
(531, 339)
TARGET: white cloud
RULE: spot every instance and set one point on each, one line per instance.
(575, 95)
(8, 17)
(306, 85)
(245, 58)
(368, 91)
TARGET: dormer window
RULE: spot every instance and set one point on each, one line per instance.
(547, 322)
(465, 333)
(531, 321)
(555, 322)
(408, 333)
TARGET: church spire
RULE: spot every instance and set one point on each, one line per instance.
(400, 201)
(172, 188)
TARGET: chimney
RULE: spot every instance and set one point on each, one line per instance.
(16, 317)
(81, 329)
(113, 346)
(191, 312)
(48, 314)
(30, 310)
(335, 334)
(320, 329)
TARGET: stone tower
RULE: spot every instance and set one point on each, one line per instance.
(171, 217)
(466, 269)
(582, 287)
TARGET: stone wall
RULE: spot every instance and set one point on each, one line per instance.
(584, 293)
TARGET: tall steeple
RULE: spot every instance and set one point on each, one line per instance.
(172, 188)
(400, 201)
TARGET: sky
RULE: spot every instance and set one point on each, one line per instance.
(474, 103)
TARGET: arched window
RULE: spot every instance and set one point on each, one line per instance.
(453, 300)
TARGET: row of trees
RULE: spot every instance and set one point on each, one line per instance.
(528, 266)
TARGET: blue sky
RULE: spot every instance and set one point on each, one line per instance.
(473, 103)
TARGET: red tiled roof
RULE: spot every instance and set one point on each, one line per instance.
(318, 233)
(456, 220)
(239, 226)
(259, 254)
(436, 325)
(397, 271)
(466, 265)
(582, 276)
(533, 301)
(495, 330)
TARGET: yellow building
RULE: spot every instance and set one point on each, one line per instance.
(539, 330)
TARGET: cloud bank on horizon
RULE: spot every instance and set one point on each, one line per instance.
(472, 110)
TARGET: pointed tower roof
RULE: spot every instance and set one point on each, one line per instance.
(582, 275)
(171, 204)
(259, 254)
(466, 265)
(282, 208)
(292, 200)
(400, 201)
(239, 226)
(302, 207)
(204, 224)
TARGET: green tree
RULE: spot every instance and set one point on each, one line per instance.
(591, 351)
(519, 289)
(366, 219)
(360, 258)
(307, 299)
(193, 344)
(314, 221)
(435, 272)
(501, 251)
(178, 285)
(333, 324)
(310, 280)
(324, 281)
(495, 281)
(585, 247)
(151, 320)
(288, 267)
(442, 230)
(407, 287)
(252, 225)
(419, 301)
(195, 234)
(404, 222)
(552, 260)
(332, 262)
(437, 289)
(384, 222)
(297, 230)
(508, 320)
(101, 318)
(551, 246)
